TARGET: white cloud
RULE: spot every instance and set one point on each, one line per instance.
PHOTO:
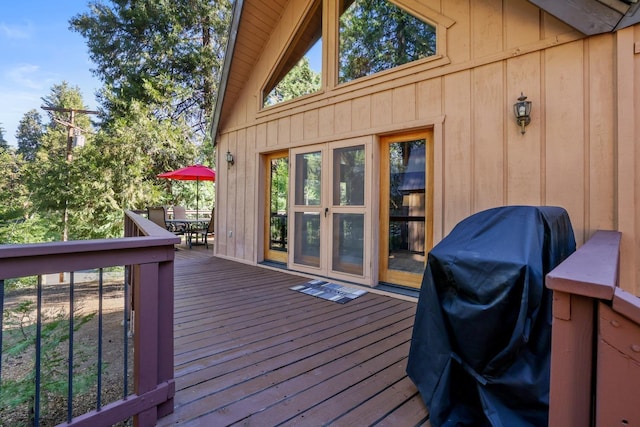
(27, 76)
(16, 31)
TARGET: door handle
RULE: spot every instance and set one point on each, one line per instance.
(326, 211)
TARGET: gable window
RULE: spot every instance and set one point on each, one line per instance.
(298, 72)
(376, 35)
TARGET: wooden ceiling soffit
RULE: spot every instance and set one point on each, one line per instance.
(257, 19)
(591, 16)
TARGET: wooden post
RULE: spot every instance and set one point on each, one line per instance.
(589, 274)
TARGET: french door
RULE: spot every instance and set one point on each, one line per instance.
(276, 207)
(329, 222)
(406, 207)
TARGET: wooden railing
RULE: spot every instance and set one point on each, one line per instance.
(595, 350)
(148, 252)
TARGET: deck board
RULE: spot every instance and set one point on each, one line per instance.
(250, 351)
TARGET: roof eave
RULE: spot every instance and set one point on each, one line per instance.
(226, 67)
(592, 17)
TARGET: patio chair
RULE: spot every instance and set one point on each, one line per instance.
(179, 212)
(158, 215)
(204, 232)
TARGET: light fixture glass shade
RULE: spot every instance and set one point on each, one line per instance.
(522, 111)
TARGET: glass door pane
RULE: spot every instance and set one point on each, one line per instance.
(329, 215)
(348, 176)
(307, 234)
(348, 202)
(407, 206)
(277, 206)
(309, 179)
(307, 238)
(348, 243)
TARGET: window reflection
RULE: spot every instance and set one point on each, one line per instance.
(309, 175)
(348, 243)
(376, 35)
(295, 75)
(348, 167)
(279, 193)
(407, 206)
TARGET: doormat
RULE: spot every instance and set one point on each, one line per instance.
(329, 291)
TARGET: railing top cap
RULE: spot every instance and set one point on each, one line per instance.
(592, 270)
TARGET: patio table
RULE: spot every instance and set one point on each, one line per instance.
(189, 226)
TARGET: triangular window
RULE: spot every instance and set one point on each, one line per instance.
(299, 71)
(376, 35)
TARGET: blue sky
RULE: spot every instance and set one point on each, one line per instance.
(37, 51)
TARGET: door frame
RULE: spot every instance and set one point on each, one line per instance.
(326, 222)
(386, 275)
(268, 253)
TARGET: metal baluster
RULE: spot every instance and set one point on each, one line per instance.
(126, 328)
(36, 403)
(70, 367)
(100, 292)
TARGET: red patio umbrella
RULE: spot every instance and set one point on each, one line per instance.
(192, 173)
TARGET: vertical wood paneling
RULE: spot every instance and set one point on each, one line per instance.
(459, 34)
(297, 127)
(457, 149)
(361, 113)
(250, 208)
(565, 135)
(261, 135)
(628, 160)
(326, 121)
(520, 28)
(579, 151)
(222, 186)
(243, 176)
(486, 27)
(601, 197)
(342, 117)
(633, 277)
(404, 104)
(488, 137)
(310, 124)
(381, 108)
(438, 183)
(272, 133)
(230, 202)
(239, 114)
(429, 98)
(524, 153)
(284, 131)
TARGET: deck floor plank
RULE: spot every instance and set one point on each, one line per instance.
(312, 358)
(284, 342)
(250, 351)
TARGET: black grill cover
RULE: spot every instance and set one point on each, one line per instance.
(481, 346)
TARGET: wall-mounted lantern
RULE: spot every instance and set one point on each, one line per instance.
(522, 111)
(229, 159)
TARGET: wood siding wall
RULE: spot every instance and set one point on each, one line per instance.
(579, 151)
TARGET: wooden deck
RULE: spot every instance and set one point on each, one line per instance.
(250, 351)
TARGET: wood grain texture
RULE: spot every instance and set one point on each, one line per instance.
(249, 350)
(579, 151)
